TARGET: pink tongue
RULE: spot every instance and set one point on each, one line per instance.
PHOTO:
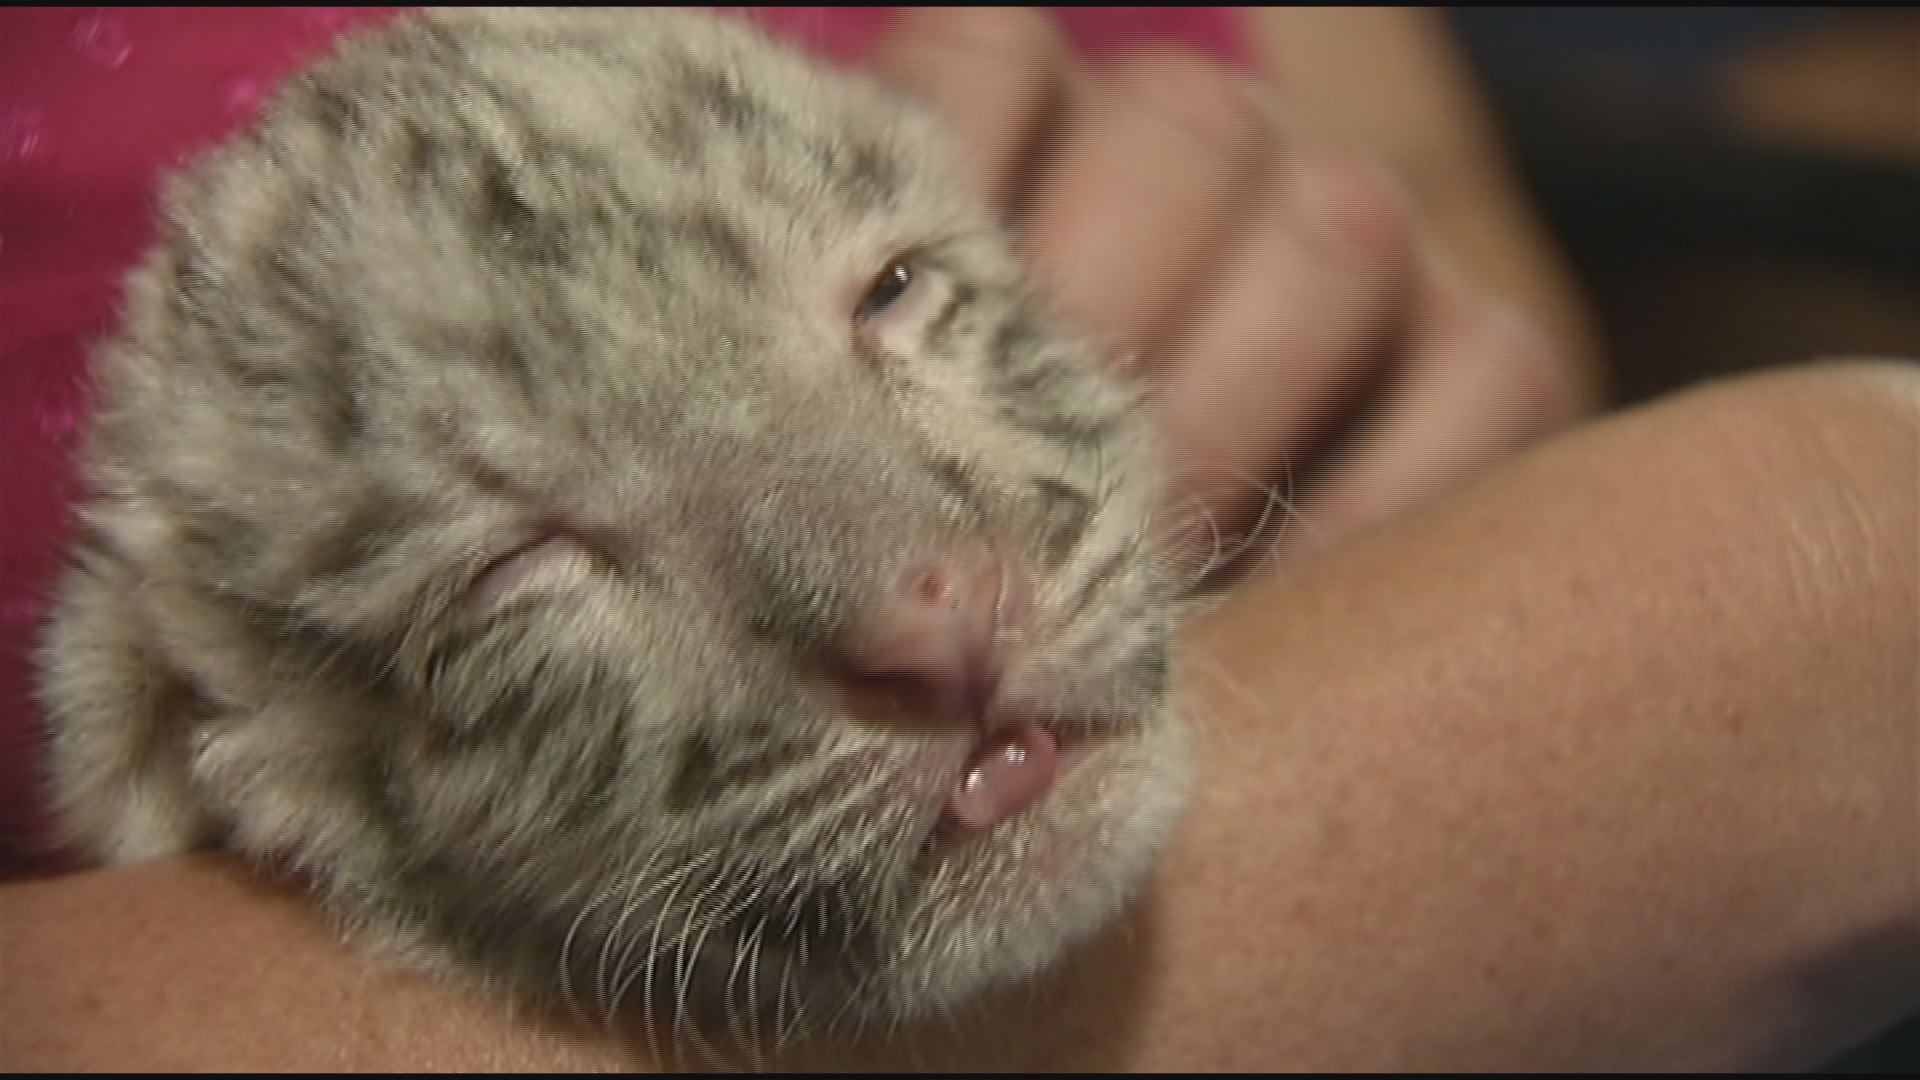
(1004, 776)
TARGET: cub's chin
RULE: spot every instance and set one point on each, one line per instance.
(1004, 903)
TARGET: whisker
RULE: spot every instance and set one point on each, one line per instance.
(612, 998)
(568, 995)
(1272, 501)
(1271, 498)
(748, 954)
(603, 975)
(782, 1035)
(683, 1021)
(602, 981)
(739, 896)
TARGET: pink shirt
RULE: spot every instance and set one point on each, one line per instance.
(95, 105)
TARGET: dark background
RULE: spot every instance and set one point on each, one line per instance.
(1736, 187)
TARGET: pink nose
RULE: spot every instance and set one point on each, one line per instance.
(936, 642)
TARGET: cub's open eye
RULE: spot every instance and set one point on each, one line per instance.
(886, 289)
(893, 314)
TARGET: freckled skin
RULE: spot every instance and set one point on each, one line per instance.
(486, 277)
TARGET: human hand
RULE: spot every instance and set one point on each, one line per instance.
(1318, 366)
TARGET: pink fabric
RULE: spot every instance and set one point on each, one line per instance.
(95, 104)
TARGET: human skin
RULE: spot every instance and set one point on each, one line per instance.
(1389, 82)
(1608, 762)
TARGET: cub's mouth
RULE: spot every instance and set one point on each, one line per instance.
(1013, 758)
(1024, 752)
(1015, 763)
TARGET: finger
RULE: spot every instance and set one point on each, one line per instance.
(992, 74)
(1154, 167)
(1296, 323)
(1480, 382)
(1421, 109)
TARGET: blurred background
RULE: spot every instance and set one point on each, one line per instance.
(1735, 187)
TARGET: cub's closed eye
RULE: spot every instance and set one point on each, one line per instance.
(898, 306)
(539, 554)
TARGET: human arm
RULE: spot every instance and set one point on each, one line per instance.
(1608, 762)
